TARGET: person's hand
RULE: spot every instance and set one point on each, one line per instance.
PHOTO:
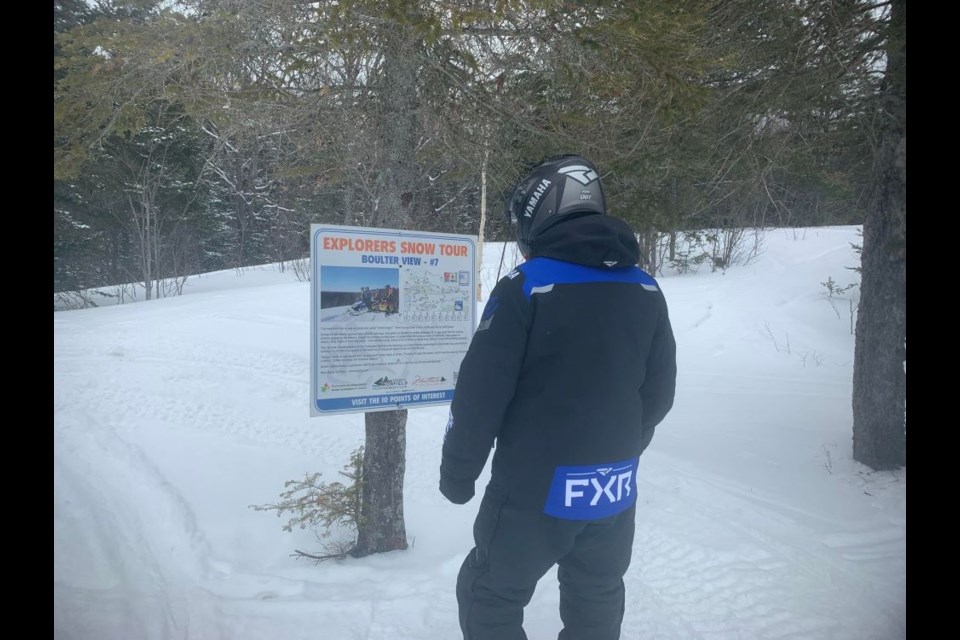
(456, 491)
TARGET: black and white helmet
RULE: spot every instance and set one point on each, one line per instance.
(560, 188)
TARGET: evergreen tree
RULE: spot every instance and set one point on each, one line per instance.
(880, 359)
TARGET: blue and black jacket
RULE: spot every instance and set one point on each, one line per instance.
(571, 368)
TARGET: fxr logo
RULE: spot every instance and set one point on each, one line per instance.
(620, 482)
(593, 491)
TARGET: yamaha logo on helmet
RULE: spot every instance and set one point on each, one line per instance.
(535, 198)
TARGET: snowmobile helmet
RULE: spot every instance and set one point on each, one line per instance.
(558, 189)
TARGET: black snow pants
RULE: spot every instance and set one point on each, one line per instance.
(516, 546)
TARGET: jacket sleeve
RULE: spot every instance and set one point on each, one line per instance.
(660, 384)
(485, 386)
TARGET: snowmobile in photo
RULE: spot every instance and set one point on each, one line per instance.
(357, 308)
(375, 301)
(362, 304)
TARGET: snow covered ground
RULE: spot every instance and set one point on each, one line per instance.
(173, 416)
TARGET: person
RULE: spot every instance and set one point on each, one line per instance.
(390, 298)
(570, 370)
(362, 303)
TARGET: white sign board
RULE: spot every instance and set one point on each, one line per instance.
(392, 315)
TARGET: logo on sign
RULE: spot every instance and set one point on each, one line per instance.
(387, 382)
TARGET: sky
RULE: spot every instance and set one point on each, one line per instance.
(172, 417)
(352, 278)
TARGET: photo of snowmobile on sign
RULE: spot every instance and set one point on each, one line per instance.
(362, 304)
(375, 301)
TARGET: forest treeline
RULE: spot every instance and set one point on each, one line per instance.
(196, 135)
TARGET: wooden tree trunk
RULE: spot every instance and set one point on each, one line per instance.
(879, 368)
(382, 525)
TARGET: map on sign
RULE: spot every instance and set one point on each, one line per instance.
(432, 295)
